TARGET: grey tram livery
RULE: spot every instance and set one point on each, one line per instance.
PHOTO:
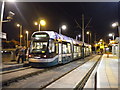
(49, 48)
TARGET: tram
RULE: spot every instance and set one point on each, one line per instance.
(49, 48)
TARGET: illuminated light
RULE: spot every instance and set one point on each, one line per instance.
(1, 51)
(79, 35)
(27, 32)
(43, 51)
(102, 47)
(115, 24)
(88, 32)
(30, 55)
(21, 36)
(64, 27)
(18, 25)
(37, 38)
(112, 41)
(96, 45)
(56, 44)
(106, 46)
(59, 40)
(42, 22)
(110, 35)
(101, 40)
(35, 23)
(44, 56)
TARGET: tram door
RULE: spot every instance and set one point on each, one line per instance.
(60, 53)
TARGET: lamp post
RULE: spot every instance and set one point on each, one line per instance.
(63, 27)
(27, 38)
(112, 35)
(41, 23)
(78, 36)
(89, 37)
(20, 26)
(116, 24)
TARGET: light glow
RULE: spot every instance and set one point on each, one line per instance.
(79, 35)
(18, 25)
(42, 22)
(110, 34)
(36, 23)
(64, 27)
(115, 24)
(21, 36)
(27, 32)
(88, 32)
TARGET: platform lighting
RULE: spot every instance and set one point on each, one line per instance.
(79, 35)
(89, 36)
(111, 35)
(42, 22)
(36, 23)
(64, 27)
(115, 24)
(27, 38)
(101, 40)
(20, 26)
(88, 32)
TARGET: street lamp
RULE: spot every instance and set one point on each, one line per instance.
(89, 35)
(20, 26)
(78, 36)
(41, 23)
(116, 24)
(111, 35)
(27, 38)
(63, 27)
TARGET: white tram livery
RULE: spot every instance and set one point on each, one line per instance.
(49, 48)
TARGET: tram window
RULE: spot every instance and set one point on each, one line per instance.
(69, 48)
(39, 45)
(75, 49)
(64, 49)
(51, 46)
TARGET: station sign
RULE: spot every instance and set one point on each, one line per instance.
(3, 35)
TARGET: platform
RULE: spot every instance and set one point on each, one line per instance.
(72, 79)
(107, 73)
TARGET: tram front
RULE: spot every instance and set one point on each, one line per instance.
(40, 53)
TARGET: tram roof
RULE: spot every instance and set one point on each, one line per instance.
(54, 35)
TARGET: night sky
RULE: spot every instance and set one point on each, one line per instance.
(102, 14)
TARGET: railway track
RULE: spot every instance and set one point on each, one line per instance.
(14, 70)
(86, 77)
(8, 82)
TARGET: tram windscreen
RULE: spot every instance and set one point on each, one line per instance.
(38, 46)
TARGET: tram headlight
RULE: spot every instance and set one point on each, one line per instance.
(44, 56)
(30, 56)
